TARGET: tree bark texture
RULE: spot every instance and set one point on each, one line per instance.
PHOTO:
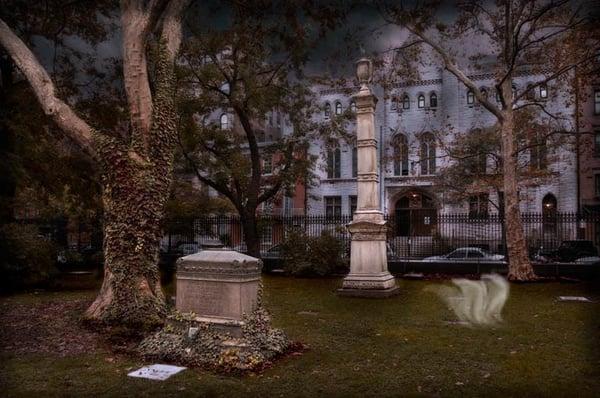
(251, 235)
(135, 178)
(134, 196)
(519, 266)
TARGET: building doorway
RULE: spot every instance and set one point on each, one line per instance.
(415, 215)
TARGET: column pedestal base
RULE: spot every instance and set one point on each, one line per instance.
(375, 285)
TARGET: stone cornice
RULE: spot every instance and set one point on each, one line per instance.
(413, 83)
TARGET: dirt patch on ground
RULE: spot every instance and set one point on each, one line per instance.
(46, 327)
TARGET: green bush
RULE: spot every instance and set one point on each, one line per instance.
(27, 259)
(312, 256)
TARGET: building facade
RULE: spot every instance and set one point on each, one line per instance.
(415, 120)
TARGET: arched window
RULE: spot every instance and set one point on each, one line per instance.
(327, 111)
(427, 154)
(470, 97)
(421, 101)
(224, 120)
(549, 212)
(354, 162)
(543, 91)
(433, 100)
(484, 92)
(353, 107)
(530, 92)
(267, 166)
(338, 108)
(400, 146)
(394, 105)
(405, 102)
(333, 163)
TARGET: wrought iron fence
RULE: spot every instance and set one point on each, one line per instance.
(414, 234)
(417, 234)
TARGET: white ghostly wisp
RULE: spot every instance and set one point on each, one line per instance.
(476, 302)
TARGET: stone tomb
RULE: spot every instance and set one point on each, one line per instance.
(219, 286)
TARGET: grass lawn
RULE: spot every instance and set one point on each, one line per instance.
(358, 347)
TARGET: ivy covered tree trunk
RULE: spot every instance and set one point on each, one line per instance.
(251, 235)
(519, 266)
(135, 189)
(136, 169)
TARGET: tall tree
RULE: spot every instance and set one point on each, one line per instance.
(538, 37)
(247, 118)
(135, 162)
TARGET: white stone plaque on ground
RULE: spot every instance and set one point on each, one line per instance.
(156, 372)
(574, 298)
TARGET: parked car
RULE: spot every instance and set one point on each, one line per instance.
(570, 251)
(588, 260)
(271, 258)
(467, 254)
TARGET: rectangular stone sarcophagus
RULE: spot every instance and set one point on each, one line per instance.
(219, 285)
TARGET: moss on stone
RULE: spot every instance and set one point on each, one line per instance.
(218, 350)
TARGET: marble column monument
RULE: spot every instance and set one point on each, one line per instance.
(369, 276)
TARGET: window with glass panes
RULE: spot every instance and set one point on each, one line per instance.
(478, 206)
(470, 97)
(400, 155)
(428, 154)
(333, 206)
(433, 100)
(288, 205)
(333, 163)
(406, 102)
(267, 165)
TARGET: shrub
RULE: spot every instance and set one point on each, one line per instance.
(27, 259)
(326, 254)
(312, 256)
(294, 251)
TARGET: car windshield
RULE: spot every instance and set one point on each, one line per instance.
(274, 249)
(484, 252)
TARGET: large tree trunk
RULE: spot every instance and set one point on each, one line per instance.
(251, 235)
(136, 173)
(519, 266)
(135, 190)
(131, 292)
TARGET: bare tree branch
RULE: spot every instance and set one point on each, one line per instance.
(460, 75)
(45, 91)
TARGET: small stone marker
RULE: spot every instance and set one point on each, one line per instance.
(218, 285)
(574, 298)
(156, 372)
